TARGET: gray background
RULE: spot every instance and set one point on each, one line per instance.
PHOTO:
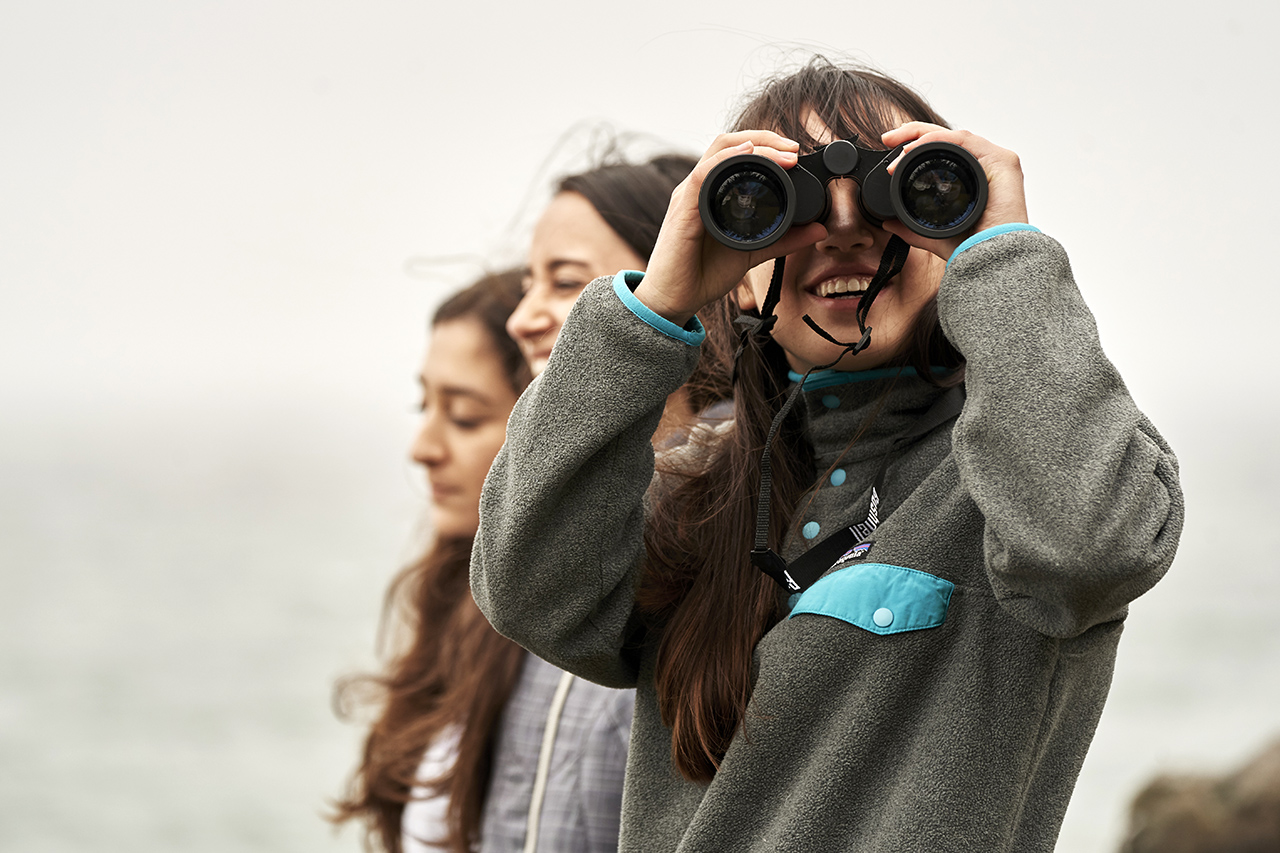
(222, 226)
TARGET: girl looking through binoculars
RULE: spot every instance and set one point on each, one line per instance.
(879, 608)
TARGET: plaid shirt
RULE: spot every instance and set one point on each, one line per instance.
(583, 800)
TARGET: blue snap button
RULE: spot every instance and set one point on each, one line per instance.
(882, 617)
(837, 477)
(810, 530)
(831, 401)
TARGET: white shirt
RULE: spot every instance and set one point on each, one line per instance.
(423, 820)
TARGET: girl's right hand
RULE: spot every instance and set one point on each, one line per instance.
(689, 269)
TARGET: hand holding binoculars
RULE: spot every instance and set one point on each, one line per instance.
(938, 190)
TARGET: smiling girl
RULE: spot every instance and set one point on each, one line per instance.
(934, 685)
(599, 221)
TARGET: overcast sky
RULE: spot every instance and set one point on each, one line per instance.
(223, 224)
(214, 202)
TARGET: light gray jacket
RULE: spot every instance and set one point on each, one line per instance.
(577, 806)
(1010, 546)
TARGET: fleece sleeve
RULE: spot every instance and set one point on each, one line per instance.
(562, 512)
(1078, 491)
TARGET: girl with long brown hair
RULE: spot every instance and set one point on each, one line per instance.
(427, 760)
(965, 489)
(480, 745)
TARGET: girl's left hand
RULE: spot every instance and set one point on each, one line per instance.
(1006, 201)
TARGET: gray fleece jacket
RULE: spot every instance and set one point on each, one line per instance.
(937, 691)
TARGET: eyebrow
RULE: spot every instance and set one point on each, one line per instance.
(566, 262)
(458, 391)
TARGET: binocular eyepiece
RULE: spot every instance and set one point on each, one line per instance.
(938, 190)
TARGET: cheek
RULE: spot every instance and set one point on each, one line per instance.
(921, 277)
(484, 448)
(560, 307)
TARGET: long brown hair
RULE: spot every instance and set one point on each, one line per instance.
(699, 589)
(456, 670)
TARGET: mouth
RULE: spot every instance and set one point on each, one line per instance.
(840, 287)
(441, 493)
(537, 347)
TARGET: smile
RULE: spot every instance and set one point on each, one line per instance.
(841, 287)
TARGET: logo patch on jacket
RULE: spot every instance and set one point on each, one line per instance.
(857, 552)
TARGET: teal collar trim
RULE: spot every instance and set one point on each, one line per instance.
(827, 378)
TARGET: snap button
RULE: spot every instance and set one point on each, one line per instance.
(882, 617)
(811, 529)
(831, 401)
(837, 477)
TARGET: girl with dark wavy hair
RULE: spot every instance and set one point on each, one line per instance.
(970, 501)
(427, 762)
(480, 745)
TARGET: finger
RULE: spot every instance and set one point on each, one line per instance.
(974, 144)
(907, 132)
(766, 138)
(785, 159)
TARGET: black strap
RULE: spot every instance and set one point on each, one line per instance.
(891, 263)
(762, 324)
(805, 570)
(762, 556)
(775, 287)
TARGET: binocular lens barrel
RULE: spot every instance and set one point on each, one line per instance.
(748, 206)
(939, 193)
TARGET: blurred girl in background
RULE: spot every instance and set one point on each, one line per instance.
(480, 745)
(599, 222)
(424, 776)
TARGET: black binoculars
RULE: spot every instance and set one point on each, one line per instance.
(938, 190)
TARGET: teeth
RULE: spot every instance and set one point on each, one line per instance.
(842, 284)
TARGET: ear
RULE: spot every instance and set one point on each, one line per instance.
(745, 295)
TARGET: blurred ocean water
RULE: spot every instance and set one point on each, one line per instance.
(173, 616)
(173, 612)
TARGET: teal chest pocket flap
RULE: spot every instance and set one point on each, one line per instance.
(879, 598)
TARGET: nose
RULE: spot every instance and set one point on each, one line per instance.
(531, 319)
(847, 231)
(429, 448)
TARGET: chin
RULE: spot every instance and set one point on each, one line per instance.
(448, 526)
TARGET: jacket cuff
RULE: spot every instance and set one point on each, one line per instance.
(983, 236)
(628, 280)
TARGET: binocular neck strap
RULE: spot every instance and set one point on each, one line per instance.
(763, 324)
(891, 262)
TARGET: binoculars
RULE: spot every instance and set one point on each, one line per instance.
(938, 190)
